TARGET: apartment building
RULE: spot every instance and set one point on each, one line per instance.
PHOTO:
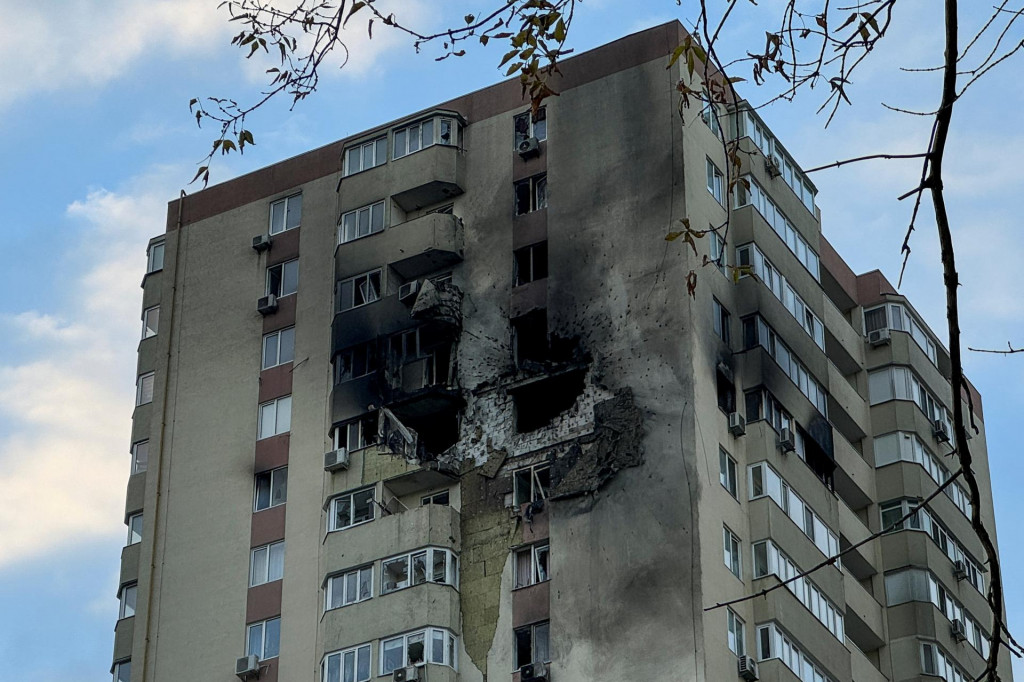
(433, 403)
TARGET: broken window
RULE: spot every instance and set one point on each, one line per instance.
(411, 649)
(526, 126)
(726, 391)
(348, 588)
(530, 337)
(432, 564)
(531, 484)
(531, 194)
(421, 135)
(351, 509)
(355, 362)
(531, 263)
(360, 290)
(283, 278)
(532, 565)
(532, 644)
(356, 434)
(538, 403)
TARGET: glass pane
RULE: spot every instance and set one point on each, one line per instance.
(446, 131)
(377, 217)
(294, 216)
(140, 454)
(258, 574)
(255, 643)
(365, 583)
(437, 646)
(272, 640)
(439, 563)
(275, 569)
(262, 491)
(354, 160)
(540, 126)
(342, 512)
(284, 415)
(363, 664)
(270, 350)
(541, 556)
(349, 666)
(400, 149)
(414, 139)
(381, 153)
(362, 504)
(279, 487)
(364, 222)
(290, 281)
(348, 222)
(124, 671)
(350, 587)
(540, 643)
(394, 655)
(428, 133)
(333, 671)
(287, 346)
(152, 323)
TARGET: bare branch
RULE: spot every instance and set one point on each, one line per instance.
(1011, 350)
(837, 164)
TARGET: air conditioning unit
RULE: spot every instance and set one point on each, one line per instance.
(247, 667)
(940, 431)
(529, 148)
(959, 570)
(407, 292)
(737, 426)
(267, 305)
(879, 337)
(533, 672)
(261, 243)
(336, 459)
(771, 166)
(786, 440)
(747, 668)
(409, 674)
(958, 631)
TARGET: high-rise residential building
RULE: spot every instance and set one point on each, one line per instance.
(433, 402)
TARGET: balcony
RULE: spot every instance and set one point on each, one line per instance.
(422, 245)
(124, 634)
(420, 179)
(862, 562)
(864, 619)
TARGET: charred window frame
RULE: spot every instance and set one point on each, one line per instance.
(531, 263)
(726, 391)
(357, 361)
(530, 484)
(526, 126)
(531, 194)
(356, 434)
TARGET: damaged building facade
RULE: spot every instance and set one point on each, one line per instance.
(433, 403)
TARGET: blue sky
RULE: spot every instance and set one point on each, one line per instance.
(95, 138)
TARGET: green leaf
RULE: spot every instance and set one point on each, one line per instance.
(672, 236)
(508, 56)
(689, 62)
(559, 32)
(515, 67)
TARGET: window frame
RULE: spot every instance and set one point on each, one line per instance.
(728, 473)
(362, 147)
(732, 549)
(718, 251)
(341, 654)
(450, 647)
(141, 389)
(137, 447)
(356, 213)
(342, 577)
(150, 330)
(537, 186)
(437, 124)
(530, 128)
(536, 259)
(532, 628)
(281, 425)
(127, 603)
(342, 307)
(715, 181)
(284, 269)
(262, 624)
(266, 571)
(370, 362)
(285, 202)
(134, 534)
(274, 477)
(432, 498)
(364, 439)
(278, 335)
(534, 473)
(451, 569)
(116, 671)
(155, 257)
(722, 321)
(535, 551)
(735, 629)
(350, 495)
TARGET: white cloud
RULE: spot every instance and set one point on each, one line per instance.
(49, 46)
(68, 401)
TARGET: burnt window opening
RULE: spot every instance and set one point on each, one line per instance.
(540, 401)
(355, 362)
(531, 263)
(356, 434)
(530, 337)
(726, 391)
(531, 484)
(531, 194)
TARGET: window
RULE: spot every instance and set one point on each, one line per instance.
(264, 639)
(348, 588)
(271, 489)
(279, 348)
(772, 642)
(726, 391)
(266, 564)
(144, 389)
(719, 254)
(431, 645)
(770, 560)
(727, 471)
(123, 671)
(531, 484)
(532, 644)
(140, 456)
(421, 135)
(900, 319)
(350, 665)
(756, 332)
(356, 434)
(531, 263)
(937, 662)
(275, 417)
(757, 197)
(360, 290)
(526, 127)
(134, 528)
(751, 127)
(734, 625)
(155, 258)
(715, 182)
(531, 194)
(442, 498)
(722, 321)
(283, 278)
(901, 383)
(351, 509)
(432, 564)
(920, 585)
(355, 362)
(150, 321)
(366, 155)
(732, 552)
(129, 593)
(764, 480)
(285, 214)
(751, 256)
(709, 113)
(361, 222)
(908, 447)
(532, 564)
